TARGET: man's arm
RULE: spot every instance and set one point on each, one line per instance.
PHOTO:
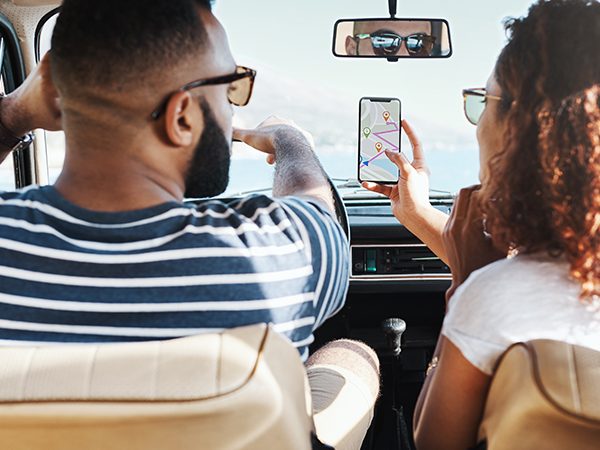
(298, 172)
(32, 105)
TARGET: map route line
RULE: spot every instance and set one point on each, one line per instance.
(394, 148)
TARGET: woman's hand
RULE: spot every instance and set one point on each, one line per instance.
(467, 246)
(410, 196)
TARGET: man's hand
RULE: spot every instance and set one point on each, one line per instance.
(271, 133)
(298, 171)
(467, 246)
(410, 196)
(34, 104)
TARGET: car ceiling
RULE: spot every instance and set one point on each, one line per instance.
(36, 2)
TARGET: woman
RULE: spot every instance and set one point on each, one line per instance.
(539, 136)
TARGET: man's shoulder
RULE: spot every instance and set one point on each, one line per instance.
(257, 200)
(18, 202)
(27, 193)
(256, 206)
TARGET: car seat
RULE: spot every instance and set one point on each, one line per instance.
(244, 388)
(544, 395)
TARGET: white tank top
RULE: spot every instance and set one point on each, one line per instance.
(519, 299)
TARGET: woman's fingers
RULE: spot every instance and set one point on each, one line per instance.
(415, 143)
(379, 188)
(401, 162)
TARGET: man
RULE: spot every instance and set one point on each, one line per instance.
(392, 38)
(111, 253)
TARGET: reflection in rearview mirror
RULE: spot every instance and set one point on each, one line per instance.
(392, 38)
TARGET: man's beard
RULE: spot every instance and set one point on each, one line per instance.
(208, 174)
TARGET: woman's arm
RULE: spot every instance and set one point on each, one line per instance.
(410, 197)
(450, 406)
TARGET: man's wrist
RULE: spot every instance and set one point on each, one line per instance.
(12, 117)
(293, 140)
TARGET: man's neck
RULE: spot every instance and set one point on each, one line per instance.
(114, 184)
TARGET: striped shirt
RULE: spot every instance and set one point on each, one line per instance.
(68, 274)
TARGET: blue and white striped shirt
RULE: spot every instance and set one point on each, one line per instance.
(68, 274)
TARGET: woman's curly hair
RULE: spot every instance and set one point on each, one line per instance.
(543, 192)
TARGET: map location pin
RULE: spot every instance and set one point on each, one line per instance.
(386, 115)
(367, 132)
(378, 146)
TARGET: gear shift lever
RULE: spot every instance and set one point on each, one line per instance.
(393, 329)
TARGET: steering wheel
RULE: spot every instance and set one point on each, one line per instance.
(340, 209)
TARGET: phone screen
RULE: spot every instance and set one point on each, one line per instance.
(379, 130)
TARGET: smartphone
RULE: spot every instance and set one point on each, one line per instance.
(379, 124)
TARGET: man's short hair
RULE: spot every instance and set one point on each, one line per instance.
(112, 44)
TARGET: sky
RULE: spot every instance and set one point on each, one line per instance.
(289, 43)
(295, 38)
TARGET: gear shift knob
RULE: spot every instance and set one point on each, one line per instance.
(393, 329)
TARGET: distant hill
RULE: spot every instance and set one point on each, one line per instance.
(331, 116)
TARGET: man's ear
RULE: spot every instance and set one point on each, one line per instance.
(180, 114)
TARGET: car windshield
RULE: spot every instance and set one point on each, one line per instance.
(289, 44)
(299, 78)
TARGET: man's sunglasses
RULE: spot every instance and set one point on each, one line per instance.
(474, 103)
(241, 83)
(388, 43)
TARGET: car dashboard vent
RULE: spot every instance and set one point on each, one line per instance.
(396, 261)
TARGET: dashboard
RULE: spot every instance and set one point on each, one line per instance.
(383, 250)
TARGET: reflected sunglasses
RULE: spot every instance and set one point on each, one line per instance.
(387, 43)
(474, 103)
(241, 83)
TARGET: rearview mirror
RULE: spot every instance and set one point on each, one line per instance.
(392, 38)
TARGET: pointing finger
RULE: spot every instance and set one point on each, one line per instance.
(414, 141)
(238, 134)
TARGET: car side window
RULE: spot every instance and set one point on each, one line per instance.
(55, 140)
(7, 167)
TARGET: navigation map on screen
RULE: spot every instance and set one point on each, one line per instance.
(379, 131)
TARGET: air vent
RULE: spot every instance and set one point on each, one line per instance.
(395, 260)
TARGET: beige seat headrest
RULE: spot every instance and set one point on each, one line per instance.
(244, 388)
(544, 394)
(189, 368)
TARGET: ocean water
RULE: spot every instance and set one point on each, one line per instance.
(450, 170)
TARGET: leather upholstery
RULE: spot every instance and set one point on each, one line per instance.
(544, 395)
(243, 388)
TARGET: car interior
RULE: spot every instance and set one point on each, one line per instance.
(396, 297)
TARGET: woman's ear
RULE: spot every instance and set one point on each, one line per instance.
(180, 116)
